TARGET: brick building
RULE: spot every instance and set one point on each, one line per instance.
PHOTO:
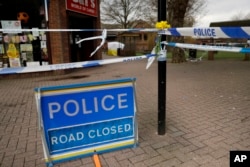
(51, 47)
(62, 44)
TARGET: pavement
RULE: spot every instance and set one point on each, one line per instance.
(207, 115)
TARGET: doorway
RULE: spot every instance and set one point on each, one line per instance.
(82, 51)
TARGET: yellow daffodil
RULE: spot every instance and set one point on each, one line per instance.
(162, 25)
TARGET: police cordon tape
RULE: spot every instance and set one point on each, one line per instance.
(209, 32)
(208, 47)
(198, 32)
(76, 30)
(92, 63)
(63, 66)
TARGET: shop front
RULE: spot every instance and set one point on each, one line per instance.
(82, 14)
(22, 48)
(37, 48)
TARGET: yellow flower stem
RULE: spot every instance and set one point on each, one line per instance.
(158, 45)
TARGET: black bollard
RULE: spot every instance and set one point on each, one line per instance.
(162, 74)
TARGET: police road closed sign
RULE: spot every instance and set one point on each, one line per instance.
(81, 119)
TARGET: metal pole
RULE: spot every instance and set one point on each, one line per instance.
(46, 11)
(162, 64)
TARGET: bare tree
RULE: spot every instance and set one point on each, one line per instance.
(247, 16)
(182, 13)
(124, 12)
(241, 16)
(176, 13)
(195, 11)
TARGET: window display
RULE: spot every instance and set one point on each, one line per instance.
(17, 49)
(22, 48)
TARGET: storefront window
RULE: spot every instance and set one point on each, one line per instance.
(22, 48)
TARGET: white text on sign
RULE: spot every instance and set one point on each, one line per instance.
(73, 107)
(91, 134)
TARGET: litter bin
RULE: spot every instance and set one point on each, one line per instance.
(192, 53)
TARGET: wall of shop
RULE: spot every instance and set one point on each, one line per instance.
(41, 48)
(21, 48)
(59, 41)
(60, 17)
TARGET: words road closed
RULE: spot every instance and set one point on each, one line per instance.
(81, 119)
(90, 134)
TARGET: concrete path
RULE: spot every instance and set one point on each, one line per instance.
(208, 114)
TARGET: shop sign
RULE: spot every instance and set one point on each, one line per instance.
(83, 119)
(11, 25)
(87, 7)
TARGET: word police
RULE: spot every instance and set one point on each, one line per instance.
(73, 107)
(205, 32)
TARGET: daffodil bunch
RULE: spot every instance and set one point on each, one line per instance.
(160, 25)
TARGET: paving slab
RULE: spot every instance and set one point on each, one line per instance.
(207, 115)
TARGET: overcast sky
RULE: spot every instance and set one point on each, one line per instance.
(223, 10)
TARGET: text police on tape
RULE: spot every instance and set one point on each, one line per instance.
(204, 32)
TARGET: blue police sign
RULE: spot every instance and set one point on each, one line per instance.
(80, 119)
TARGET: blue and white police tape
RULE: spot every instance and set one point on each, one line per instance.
(208, 47)
(198, 32)
(84, 64)
(76, 30)
(102, 37)
(209, 32)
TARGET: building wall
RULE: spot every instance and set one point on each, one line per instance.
(59, 45)
(59, 41)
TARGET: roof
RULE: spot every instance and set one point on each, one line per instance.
(238, 23)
